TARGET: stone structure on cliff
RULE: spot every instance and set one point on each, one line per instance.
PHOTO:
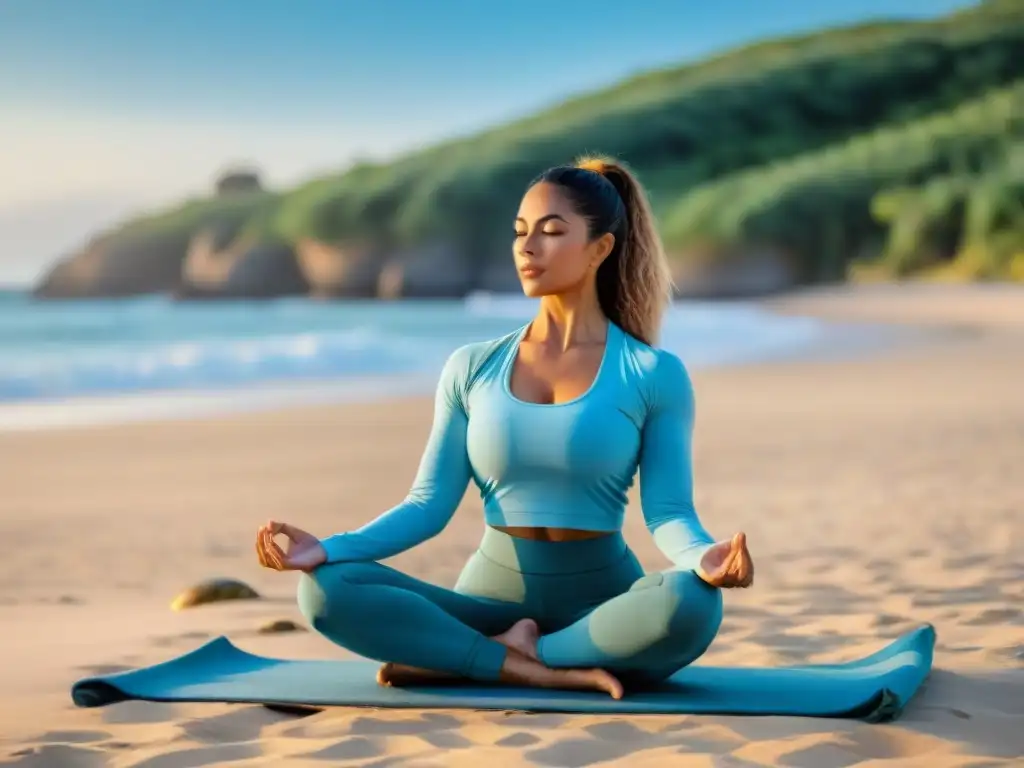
(238, 180)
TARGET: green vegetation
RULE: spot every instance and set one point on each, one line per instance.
(827, 204)
(193, 215)
(900, 140)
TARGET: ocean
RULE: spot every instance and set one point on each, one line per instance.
(97, 361)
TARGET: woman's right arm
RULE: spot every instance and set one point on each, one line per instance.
(444, 472)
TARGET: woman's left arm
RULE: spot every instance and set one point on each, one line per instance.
(666, 469)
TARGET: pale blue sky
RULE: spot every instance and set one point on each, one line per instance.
(110, 105)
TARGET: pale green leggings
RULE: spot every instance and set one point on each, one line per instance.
(594, 605)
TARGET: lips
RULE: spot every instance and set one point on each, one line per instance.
(531, 272)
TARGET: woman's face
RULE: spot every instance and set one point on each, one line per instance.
(553, 251)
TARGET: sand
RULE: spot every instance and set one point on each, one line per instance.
(878, 492)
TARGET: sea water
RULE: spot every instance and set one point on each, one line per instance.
(92, 361)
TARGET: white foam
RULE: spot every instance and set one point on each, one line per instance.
(289, 354)
(81, 412)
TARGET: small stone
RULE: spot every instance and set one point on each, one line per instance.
(280, 625)
(213, 591)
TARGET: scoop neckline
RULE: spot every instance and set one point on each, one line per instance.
(510, 365)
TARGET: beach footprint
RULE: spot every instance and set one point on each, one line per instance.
(218, 754)
(53, 755)
(64, 747)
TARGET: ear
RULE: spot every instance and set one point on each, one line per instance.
(601, 248)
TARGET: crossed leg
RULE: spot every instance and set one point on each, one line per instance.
(384, 614)
(664, 622)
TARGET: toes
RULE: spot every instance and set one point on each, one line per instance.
(612, 685)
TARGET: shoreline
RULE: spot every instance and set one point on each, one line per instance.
(877, 492)
(837, 338)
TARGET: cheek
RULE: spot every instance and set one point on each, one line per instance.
(565, 263)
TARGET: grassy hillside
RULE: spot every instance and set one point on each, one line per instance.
(819, 205)
(888, 137)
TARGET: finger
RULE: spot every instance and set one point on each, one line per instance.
(728, 566)
(270, 549)
(293, 534)
(739, 563)
(297, 535)
(261, 549)
(730, 573)
(750, 572)
(270, 546)
(277, 555)
(737, 550)
(288, 530)
(719, 577)
(745, 568)
(260, 554)
(723, 551)
(741, 576)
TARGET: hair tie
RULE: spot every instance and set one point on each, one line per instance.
(596, 166)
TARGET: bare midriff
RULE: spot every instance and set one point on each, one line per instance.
(548, 534)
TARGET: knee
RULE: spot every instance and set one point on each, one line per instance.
(329, 591)
(687, 606)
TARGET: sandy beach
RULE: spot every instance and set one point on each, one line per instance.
(878, 492)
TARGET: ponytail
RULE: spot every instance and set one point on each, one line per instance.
(634, 284)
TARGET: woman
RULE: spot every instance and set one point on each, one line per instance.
(552, 422)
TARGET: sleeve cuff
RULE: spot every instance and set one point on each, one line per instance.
(689, 559)
(337, 547)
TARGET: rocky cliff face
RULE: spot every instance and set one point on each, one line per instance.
(243, 268)
(433, 271)
(339, 270)
(215, 256)
(122, 264)
(217, 262)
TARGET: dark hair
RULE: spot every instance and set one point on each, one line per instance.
(634, 285)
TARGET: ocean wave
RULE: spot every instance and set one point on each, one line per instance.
(215, 362)
(60, 350)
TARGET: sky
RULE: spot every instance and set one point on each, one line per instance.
(108, 107)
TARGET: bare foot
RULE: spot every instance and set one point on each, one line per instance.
(400, 675)
(521, 636)
(521, 667)
(522, 670)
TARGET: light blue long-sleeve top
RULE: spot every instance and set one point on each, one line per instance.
(564, 465)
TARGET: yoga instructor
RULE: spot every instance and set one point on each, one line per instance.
(551, 422)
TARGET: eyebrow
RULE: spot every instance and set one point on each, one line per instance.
(542, 219)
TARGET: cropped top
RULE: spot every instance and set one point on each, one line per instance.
(562, 465)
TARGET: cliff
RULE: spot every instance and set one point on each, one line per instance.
(895, 147)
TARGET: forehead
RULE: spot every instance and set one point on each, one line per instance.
(543, 199)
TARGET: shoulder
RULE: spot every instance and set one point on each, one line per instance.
(467, 363)
(661, 376)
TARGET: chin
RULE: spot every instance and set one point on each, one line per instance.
(532, 291)
(534, 288)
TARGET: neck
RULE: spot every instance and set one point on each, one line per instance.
(570, 319)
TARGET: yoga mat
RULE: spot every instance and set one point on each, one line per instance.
(874, 688)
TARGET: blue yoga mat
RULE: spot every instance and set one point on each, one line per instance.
(874, 688)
